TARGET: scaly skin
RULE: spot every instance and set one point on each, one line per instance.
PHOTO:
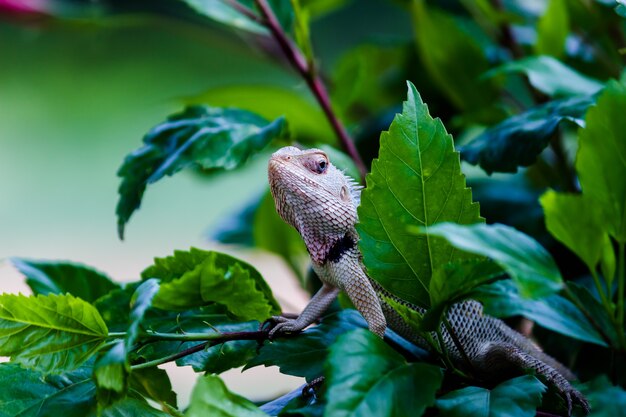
(321, 202)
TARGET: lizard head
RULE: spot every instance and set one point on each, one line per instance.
(313, 196)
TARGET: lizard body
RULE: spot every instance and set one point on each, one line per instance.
(321, 202)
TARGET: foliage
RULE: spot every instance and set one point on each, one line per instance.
(504, 78)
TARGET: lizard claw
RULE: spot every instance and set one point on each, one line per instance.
(580, 400)
(309, 389)
(278, 324)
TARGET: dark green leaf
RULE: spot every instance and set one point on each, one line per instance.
(523, 258)
(305, 355)
(601, 158)
(52, 333)
(210, 397)
(517, 397)
(197, 278)
(114, 307)
(519, 139)
(153, 383)
(606, 399)
(551, 76)
(48, 277)
(554, 312)
(576, 221)
(211, 138)
(130, 407)
(416, 181)
(453, 283)
(596, 310)
(366, 377)
(236, 227)
(553, 29)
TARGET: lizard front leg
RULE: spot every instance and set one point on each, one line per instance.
(318, 304)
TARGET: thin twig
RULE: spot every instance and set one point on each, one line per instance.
(308, 73)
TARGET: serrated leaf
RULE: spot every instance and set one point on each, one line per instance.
(554, 312)
(551, 76)
(553, 29)
(601, 158)
(518, 140)
(517, 397)
(211, 138)
(305, 355)
(197, 278)
(366, 378)
(210, 397)
(112, 369)
(523, 258)
(576, 221)
(50, 277)
(52, 333)
(416, 181)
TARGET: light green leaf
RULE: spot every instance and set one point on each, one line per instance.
(552, 29)
(197, 278)
(517, 397)
(576, 221)
(210, 397)
(208, 137)
(524, 259)
(50, 277)
(52, 333)
(601, 158)
(366, 378)
(416, 181)
(551, 76)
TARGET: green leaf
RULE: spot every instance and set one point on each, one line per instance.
(112, 369)
(523, 258)
(576, 221)
(49, 277)
(453, 283)
(211, 138)
(416, 181)
(444, 48)
(306, 119)
(596, 311)
(517, 397)
(601, 158)
(551, 76)
(153, 383)
(210, 397)
(366, 377)
(305, 355)
(29, 393)
(130, 407)
(554, 312)
(197, 278)
(518, 140)
(606, 399)
(553, 29)
(52, 333)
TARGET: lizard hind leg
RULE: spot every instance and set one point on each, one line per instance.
(498, 358)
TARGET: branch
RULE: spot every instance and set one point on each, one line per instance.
(308, 73)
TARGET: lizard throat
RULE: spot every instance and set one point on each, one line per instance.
(339, 248)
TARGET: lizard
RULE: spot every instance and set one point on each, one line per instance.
(320, 202)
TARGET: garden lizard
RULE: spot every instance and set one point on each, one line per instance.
(321, 202)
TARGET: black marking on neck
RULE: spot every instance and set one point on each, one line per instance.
(340, 247)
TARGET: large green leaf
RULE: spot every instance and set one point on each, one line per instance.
(607, 400)
(212, 138)
(305, 355)
(551, 76)
(517, 397)
(519, 139)
(113, 368)
(554, 312)
(416, 181)
(523, 258)
(576, 221)
(601, 158)
(52, 333)
(197, 278)
(366, 378)
(49, 277)
(553, 29)
(210, 397)
(154, 383)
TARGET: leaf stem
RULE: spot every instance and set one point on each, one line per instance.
(571, 297)
(621, 276)
(116, 334)
(605, 300)
(308, 73)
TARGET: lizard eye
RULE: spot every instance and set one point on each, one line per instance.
(321, 166)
